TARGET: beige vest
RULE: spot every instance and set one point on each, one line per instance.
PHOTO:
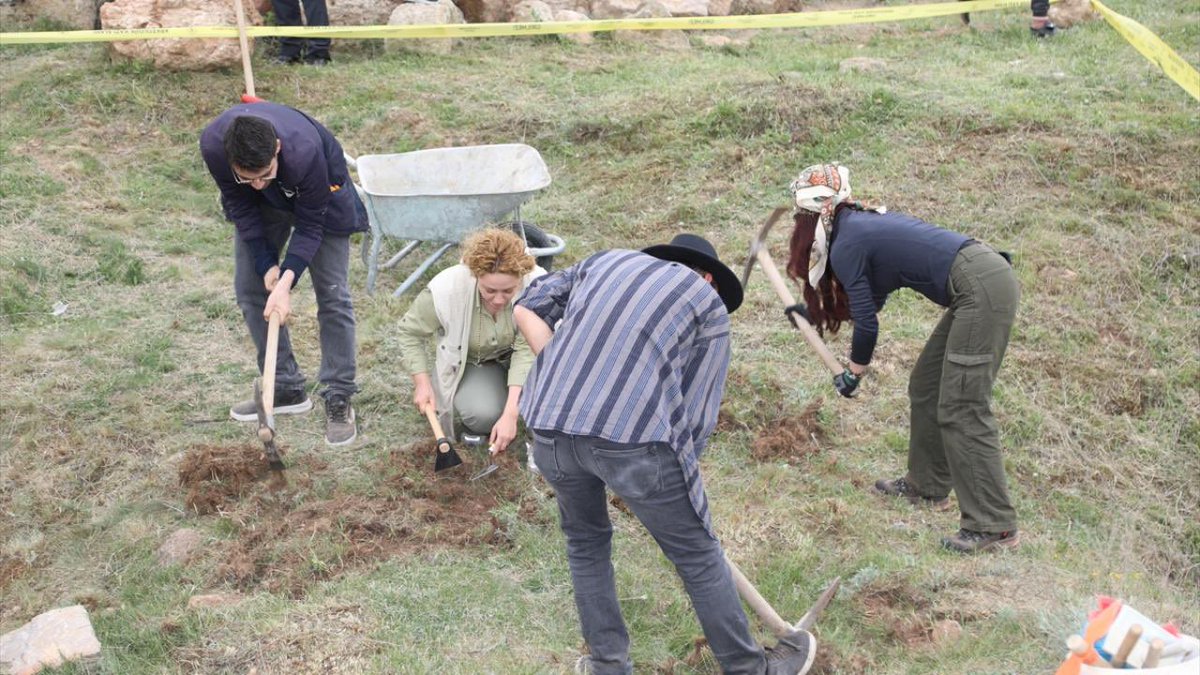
(455, 299)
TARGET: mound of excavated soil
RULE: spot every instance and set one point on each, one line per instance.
(213, 476)
(789, 439)
(292, 537)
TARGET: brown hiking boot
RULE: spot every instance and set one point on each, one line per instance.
(970, 541)
(901, 487)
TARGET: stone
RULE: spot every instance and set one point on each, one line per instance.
(666, 39)
(175, 54)
(360, 12)
(686, 7)
(720, 7)
(179, 547)
(577, 38)
(416, 14)
(76, 14)
(211, 600)
(1067, 13)
(862, 64)
(532, 11)
(485, 11)
(614, 9)
(49, 640)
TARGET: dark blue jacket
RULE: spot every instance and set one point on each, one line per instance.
(312, 182)
(873, 254)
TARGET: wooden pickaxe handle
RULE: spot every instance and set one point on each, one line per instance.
(247, 71)
(806, 329)
(443, 442)
(767, 613)
(269, 359)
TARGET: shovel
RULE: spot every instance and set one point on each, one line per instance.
(447, 458)
(264, 397)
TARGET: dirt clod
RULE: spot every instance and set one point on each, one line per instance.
(790, 439)
(214, 476)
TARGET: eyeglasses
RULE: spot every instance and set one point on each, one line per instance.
(269, 176)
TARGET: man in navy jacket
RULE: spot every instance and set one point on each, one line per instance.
(283, 180)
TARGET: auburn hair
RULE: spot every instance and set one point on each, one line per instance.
(494, 250)
(828, 304)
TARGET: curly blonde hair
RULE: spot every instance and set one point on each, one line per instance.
(494, 250)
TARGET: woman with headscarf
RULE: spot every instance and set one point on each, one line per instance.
(481, 360)
(850, 256)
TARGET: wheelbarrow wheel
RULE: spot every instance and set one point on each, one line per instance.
(535, 237)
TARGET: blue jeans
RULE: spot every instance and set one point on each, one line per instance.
(329, 272)
(650, 481)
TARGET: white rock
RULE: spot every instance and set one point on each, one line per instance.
(614, 9)
(49, 640)
(179, 547)
(416, 14)
(719, 7)
(532, 11)
(667, 39)
(577, 38)
(199, 54)
(360, 12)
(686, 7)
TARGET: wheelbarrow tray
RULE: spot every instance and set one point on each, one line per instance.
(444, 193)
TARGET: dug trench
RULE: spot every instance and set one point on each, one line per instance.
(286, 536)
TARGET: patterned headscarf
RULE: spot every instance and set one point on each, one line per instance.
(819, 189)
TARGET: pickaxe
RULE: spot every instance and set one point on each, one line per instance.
(760, 254)
(768, 614)
(264, 397)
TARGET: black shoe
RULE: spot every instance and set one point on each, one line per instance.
(286, 403)
(970, 541)
(792, 655)
(340, 428)
(281, 60)
(318, 61)
(1045, 30)
(901, 487)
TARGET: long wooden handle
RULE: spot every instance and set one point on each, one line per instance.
(810, 334)
(757, 602)
(1131, 639)
(438, 434)
(269, 359)
(247, 71)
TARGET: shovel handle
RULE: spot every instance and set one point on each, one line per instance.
(757, 602)
(443, 443)
(269, 359)
(810, 334)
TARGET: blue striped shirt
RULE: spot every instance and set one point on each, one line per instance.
(640, 356)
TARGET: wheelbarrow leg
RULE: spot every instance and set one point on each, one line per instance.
(400, 255)
(373, 259)
(416, 274)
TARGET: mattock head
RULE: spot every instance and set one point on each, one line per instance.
(758, 242)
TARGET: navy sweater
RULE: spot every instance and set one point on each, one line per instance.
(312, 182)
(873, 254)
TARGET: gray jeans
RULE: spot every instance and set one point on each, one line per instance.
(329, 271)
(481, 397)
(954, 440)
(648, 478)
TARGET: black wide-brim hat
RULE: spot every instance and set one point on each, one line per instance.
(695, 251)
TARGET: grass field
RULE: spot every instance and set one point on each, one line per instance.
(1076, 154)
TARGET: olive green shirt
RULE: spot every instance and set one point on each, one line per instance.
(492, 339)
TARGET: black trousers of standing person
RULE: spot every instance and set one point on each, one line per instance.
(287, 13)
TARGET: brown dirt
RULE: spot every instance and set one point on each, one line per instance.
(291, 537)
(790, 439)
(214, 477)
(11, 569)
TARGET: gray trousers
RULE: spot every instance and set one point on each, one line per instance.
(329, 272)
(954, 440)
(649, 479)
(481, 395)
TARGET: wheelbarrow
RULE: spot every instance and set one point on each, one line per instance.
(438, 196)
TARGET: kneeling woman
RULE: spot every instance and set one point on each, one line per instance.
(850, 258)
(480, 358)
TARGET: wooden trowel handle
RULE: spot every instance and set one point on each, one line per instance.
(268, 381)
(443, 443)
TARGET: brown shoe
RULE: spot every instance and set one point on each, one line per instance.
(901, 487)
(970, 541)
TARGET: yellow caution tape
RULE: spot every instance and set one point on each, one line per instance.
(798, 20)
(1154, 49)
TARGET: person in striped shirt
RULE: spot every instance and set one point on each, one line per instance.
(633, 349)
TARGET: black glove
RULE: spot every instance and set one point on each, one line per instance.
(799, 308)
(846, 383)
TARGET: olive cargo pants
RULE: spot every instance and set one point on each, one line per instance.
(954, 441)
